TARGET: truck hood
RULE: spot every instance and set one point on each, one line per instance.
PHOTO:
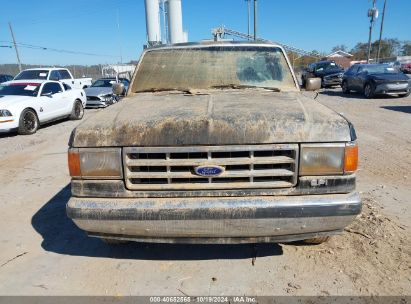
(216, 118)
(11, 100)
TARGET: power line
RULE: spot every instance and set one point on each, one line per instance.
(45, 48)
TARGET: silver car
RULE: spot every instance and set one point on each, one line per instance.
(100, 94)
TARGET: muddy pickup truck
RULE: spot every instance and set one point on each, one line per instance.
(214, 143)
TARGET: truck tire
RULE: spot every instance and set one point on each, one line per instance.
(78, 111)
(345, 88)
(28, 123)
(317, 240)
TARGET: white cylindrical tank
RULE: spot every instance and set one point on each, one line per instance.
(153, 22)
(175, 21)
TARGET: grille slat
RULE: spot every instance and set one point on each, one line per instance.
(172, 168)
(238, 173)
(216, 162)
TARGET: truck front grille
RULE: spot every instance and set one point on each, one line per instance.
(173, 168)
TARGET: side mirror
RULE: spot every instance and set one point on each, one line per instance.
(118, 89)
(313, 84)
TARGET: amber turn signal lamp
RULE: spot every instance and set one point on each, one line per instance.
(74, 163)
(351, 158)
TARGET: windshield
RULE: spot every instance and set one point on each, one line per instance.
(103, 83)
(332, 66)
(215, 66)
(22, 89)
(379, 69)
(32, 74)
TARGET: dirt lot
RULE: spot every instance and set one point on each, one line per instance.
(43, 253)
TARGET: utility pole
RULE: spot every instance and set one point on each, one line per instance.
(255, 19)
(119, 36)
(248, 18)
(373, 14)
(15, 47)
(382, 27)
(165, 35)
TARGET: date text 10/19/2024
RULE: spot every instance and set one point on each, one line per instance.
(206, 299)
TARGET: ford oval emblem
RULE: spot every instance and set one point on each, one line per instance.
(209, 171)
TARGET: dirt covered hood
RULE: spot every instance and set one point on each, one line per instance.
(217, 118)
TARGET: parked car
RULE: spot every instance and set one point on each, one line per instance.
(406, 68)
(329, 72)
(229, 157)
(375, 79)
(55, 74)
(393, 64)
(25, 105)
(100, 94)
(5, 78)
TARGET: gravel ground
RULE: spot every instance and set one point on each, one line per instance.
(43, 253)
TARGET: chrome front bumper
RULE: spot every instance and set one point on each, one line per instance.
(216, 220)
(332, 81)
(391, 88)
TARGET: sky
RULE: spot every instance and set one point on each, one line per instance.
(90, 27)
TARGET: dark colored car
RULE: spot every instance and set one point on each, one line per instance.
(375, 79)
(5, 78)
(330, 73)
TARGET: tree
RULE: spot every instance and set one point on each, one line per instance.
(340, 47)
(359, 51)
(389, 48)
(299, 62)
(406, 48)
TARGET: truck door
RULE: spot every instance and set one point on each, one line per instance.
(66, 78)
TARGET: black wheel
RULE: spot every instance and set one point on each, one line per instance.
(404, 95)
(28, 123)
(345, 88)
(303, 82)
(78, 111)
(369, 91)
(317, 240)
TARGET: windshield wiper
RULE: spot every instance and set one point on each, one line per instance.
(244, 86)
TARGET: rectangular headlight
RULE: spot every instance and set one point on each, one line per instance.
(328, 159)
(95, 163)
(322, 159)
